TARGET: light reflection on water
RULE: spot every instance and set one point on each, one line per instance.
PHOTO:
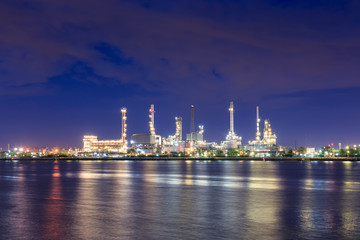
(179, 200)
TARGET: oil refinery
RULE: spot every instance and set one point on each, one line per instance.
(264, 145)
(92, 144)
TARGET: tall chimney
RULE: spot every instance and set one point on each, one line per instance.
(192, 119)
(258, 134)
(178, 133)
(152, 120)
(123, 127)
(231, 110)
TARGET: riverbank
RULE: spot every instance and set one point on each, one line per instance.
(353, 159)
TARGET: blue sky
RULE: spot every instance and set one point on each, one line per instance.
(67, 68)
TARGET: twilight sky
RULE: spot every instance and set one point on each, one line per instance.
(67, 67)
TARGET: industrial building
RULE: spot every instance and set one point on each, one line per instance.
(147, 143)
(92, 144)
(264, 144)
(194, 140)
(174, 143)
(262, 147)
(144, 143)
(232, 140)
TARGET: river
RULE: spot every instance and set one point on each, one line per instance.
(179, 200)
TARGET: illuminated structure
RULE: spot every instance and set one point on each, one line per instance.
(269, 137)
(258, 134)
(124, 129)
(266, 146)
(144, 143)
(195, 139)
(151, 143)
(192, 119)
(147, 143)
(174, 143)
(232, 140)
(231, 110)
(178, 134)
(152, 120)
(152, 125)
(92, 144)
(201, 129)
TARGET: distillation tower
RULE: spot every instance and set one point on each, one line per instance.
(174, 143)
(269, 138)
(178, 133)
(232, 140)
(258, 134)
(152, 120)
(124, 129)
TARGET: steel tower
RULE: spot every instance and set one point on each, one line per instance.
(124, 127)
(258, 134)
(152, 120)
(192, 119)
(231, 110)
(178, 134)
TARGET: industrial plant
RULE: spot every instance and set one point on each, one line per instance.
(92, 144)
(263, 145)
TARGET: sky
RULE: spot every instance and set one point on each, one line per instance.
(68, 67)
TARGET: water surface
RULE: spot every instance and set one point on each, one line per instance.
(179, 200)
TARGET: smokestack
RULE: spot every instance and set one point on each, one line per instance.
(178, 128)
(192, 119)
(258, 134)
(152, 120)
(231, 110)
(124, 127)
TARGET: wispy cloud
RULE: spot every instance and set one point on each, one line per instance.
(258, 47)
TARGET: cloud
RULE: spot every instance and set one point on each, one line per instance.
(258, 47)
(112, 54)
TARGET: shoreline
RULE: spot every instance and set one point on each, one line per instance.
(334, 159)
